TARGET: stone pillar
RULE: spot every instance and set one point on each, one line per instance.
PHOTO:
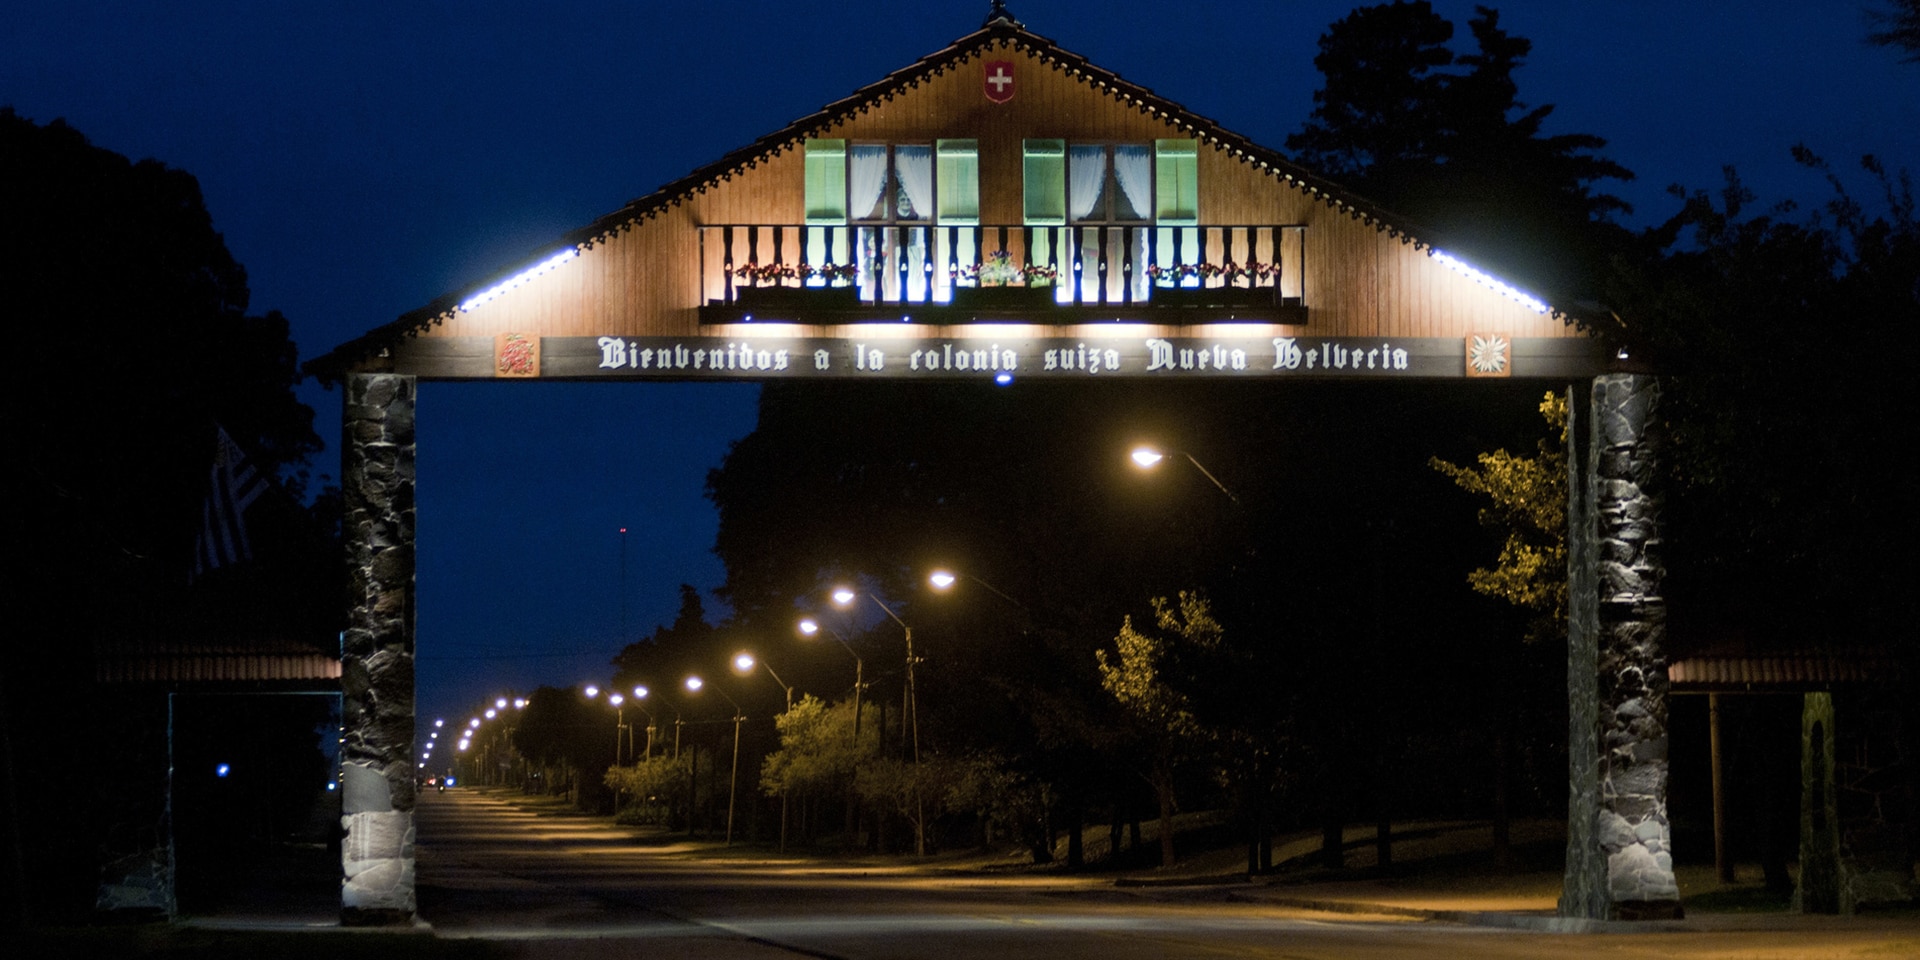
(1618, 814)
(376, 682)
(1855, 805)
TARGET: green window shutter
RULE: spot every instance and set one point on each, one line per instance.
(1176, 185)
(958, 181)
(1044, 182)
(826, 181)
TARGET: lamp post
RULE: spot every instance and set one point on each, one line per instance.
(1147, 457)
(846, 597)
(640, 692)
(743, 664)
(695, 685)
(621, 734)
(809, 627)
(943, 579)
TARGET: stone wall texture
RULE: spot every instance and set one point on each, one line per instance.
(376, 681)
(1856, 804)
(1620, 809)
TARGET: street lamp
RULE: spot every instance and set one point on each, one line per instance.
(942, 580)
(640, 692)
(695, 685)
(846, 596)
(743, 664)
(620, 734)
(1147, 457)
(809, 627)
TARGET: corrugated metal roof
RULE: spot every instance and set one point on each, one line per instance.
(176, 662)
(1812, 670)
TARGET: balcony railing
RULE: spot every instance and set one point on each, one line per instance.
(956, 274)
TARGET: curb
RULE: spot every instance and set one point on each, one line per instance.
(1482, 918)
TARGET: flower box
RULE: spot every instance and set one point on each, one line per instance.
(1212, 297)
(1003, 298)
(796, 298)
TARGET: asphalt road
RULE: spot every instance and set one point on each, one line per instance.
(560, 886)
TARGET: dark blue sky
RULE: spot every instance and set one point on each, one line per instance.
(362, 158)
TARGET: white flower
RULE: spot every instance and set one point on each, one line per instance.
(1489, 354)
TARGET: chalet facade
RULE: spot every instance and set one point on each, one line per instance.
(1004, 209)
(1001, 181)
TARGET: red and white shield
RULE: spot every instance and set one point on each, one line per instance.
(999, 80)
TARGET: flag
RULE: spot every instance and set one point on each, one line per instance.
(233, 487)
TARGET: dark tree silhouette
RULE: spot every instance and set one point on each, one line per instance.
(1897, 26)
(1444, 139)
(132, 340)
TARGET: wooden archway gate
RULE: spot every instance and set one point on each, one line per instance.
(1619, 862)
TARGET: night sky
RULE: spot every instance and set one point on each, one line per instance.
(362, 158)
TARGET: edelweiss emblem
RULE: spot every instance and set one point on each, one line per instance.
(1487, 355)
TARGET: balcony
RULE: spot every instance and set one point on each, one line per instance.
(1007, 274)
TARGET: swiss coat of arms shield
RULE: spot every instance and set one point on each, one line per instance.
(999, 80)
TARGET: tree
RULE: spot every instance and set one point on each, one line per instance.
(1784, 334)
(652, 786)
(672, 650)
(817, 753)
(1898, 27)
(1529, 509)
(130, 319)
(1444, 140)
(1143, 673)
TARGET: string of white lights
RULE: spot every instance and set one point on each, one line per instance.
(518, 279)
(1518, 296)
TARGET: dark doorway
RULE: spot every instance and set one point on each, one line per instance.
(256, 806)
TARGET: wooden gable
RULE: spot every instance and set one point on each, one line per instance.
(668, 268)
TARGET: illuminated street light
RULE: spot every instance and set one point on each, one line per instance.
(500, 704)
(1147, 457)
(743, 664)
(640, 693)
(942, 580)
(810, 627)
(695, 685)
(845, 596)
(591, 691)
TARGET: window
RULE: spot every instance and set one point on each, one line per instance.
(1176, 188)
(890, 183)
(826, 181)
(958, 180)
(1044, 182)
(1109, 183)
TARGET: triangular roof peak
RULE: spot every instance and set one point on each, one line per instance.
(1000, 31)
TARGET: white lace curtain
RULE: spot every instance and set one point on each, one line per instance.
(1133, 168)
(1086, 173)
(866, 177)
(914, 166)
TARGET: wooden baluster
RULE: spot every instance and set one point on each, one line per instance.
(726, 266)
(1053, 256)
(1102, 266)
(1201, 239)
(753, 251)
(779, 242)
(1153, 256)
